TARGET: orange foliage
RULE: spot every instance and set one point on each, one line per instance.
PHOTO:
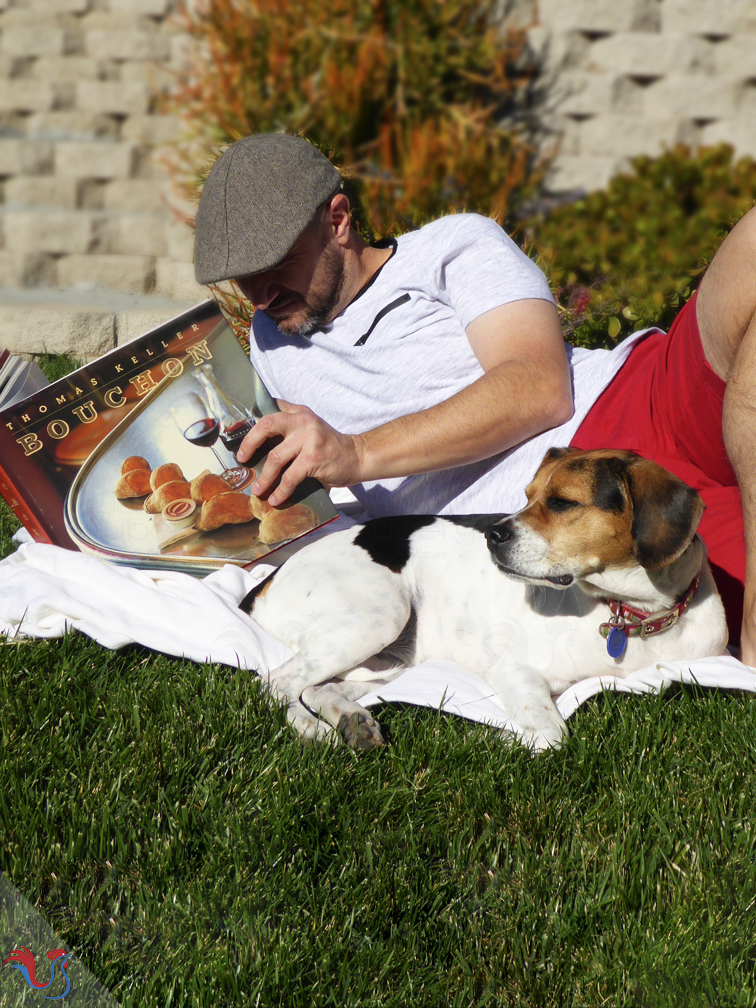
(407, 96)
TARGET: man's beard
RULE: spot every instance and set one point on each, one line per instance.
(323, 298)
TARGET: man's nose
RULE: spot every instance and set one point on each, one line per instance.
(261, 289)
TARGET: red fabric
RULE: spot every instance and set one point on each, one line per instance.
(666, 404)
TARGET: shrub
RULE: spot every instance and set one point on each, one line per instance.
(628, 256)
(407, 95)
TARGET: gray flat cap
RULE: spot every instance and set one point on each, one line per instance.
(259, 196)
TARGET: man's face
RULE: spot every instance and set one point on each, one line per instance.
(300, 293)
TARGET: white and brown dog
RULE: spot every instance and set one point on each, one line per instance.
(601, 573)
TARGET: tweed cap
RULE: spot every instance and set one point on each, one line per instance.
(259, 196)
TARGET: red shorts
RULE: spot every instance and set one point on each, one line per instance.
(666, 404)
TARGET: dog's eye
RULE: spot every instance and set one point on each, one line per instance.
(560, 504)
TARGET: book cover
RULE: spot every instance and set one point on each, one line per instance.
(131, 457)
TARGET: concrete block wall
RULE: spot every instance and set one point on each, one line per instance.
(630, 77)
(82, 189)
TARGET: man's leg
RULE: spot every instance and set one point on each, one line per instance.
(726, 313)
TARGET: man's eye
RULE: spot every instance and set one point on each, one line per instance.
(560, 504)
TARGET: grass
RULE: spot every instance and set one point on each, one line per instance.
(168, 825)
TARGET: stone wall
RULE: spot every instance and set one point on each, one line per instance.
(633, 76)
(83, 192)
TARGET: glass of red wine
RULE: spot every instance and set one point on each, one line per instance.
(202, 428)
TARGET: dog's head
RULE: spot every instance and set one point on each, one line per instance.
(590, 511)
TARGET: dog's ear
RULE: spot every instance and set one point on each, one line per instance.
(555, 453)
(666, 513)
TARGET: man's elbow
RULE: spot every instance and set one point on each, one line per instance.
(557, 405)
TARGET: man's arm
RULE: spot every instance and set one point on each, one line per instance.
(524, 391)
(726, 312)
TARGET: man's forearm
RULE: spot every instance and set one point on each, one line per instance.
(508, 404)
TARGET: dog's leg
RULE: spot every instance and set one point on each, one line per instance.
(347, 646)
(334, 702)
(525, 696)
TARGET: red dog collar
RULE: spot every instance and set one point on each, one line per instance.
(628, 621)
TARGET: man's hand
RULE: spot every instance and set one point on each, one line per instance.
(310, 448)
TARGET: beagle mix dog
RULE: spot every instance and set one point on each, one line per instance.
(600, 574)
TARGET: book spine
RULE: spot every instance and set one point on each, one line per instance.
(21, 509)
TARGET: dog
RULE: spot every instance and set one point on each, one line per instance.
(601, 573)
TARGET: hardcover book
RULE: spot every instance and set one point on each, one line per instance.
(132, 457)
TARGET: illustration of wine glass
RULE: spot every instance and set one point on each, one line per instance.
(200, 425)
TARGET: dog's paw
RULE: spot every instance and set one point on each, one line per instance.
(359, 730)
(306, 725)
(544, 738)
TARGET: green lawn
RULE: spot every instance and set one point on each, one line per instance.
(170, 827)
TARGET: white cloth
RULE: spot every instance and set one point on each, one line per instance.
(417, 355)
(45, 590)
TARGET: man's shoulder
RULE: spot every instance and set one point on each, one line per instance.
(456, 224)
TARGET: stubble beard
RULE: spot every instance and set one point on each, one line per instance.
(322, 299)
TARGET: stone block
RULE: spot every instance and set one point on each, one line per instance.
(27, 95)
(50, 231)
(740, 132)
(65, 68)
(176, 280)
(152, 8)
(57, 328)
(125, 273)
(644, 54)
(135, 195)
(581, 173)
(180, 242)
(26, 269)
(113, 97)
(590, 15)
(621, 136)
(25, 157)
(42, 190)
(60, 6)
(691, 96)
(132, 234)
(127, 45)
(580, 94)
(38, 41)
(136, 322)
(95, 160)
(154, 130)
(58, 126)
(157, 77)
(709, 17)
(736, 57)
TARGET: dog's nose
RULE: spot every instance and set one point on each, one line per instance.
(500, 534)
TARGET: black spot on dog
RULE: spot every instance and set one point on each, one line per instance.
(247, 603)
(386, 540)
(608, 484)
(577, 465)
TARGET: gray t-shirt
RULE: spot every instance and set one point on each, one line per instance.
(400, 347)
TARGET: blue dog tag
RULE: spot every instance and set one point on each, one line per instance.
(616, 642)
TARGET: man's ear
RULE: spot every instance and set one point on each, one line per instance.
(340, 217)
(666, 513)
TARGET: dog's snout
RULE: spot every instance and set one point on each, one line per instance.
(500, 534)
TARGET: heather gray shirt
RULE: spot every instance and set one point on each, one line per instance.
(400, 347)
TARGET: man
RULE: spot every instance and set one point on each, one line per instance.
(434, 369)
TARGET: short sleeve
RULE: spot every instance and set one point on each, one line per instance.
(481, 268)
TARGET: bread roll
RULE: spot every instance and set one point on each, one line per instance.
(230, 508)
(164, 494)
(169, 472)
(259, 507)
(135, 483)
(208, 485)
(286, 523)
(134, 462)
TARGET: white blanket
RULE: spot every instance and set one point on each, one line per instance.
(45, 590)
